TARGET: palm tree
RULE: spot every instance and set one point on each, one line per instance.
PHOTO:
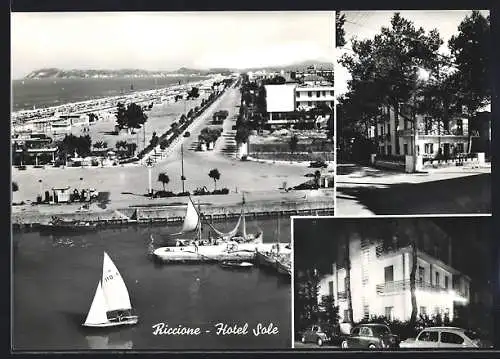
(100, 144)
(164, 179)
(215, 175)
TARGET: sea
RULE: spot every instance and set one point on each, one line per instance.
(55, 277)
(43, 93)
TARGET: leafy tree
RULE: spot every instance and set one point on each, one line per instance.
(164, 179)
(294, 140)
(163, 144)
(384, 69)
(306, 299)
(121, 115)
(329, 314)
(215, 175)
(72, 143)
(135, 116)
(242, 135)
(471, 49)
(154, 140)
(193, 93)
(132, 116)
(15, 187)
(339, 29)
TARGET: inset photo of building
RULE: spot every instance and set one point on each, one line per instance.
(393, 283)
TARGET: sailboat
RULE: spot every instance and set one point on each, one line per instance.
(111, 305)
(224, 246)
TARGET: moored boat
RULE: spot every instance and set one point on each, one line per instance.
(57, 225)
(236, 265)
(222, 246)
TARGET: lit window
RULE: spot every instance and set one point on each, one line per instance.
(389, 313)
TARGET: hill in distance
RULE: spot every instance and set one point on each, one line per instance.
(47, 73)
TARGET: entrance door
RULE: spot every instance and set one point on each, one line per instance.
(446, 148)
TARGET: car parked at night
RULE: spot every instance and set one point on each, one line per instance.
(315, 335)
(446, 337)
(371, 336)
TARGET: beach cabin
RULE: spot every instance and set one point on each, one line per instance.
(61, 195)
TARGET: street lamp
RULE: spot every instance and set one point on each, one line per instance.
(40, 181)
(149, 164)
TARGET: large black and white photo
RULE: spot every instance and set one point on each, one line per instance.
(156, 158)
(414, 112)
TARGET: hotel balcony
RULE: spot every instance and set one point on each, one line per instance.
(342, 295)
(435, 133)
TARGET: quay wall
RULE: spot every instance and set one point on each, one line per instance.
(175, 214)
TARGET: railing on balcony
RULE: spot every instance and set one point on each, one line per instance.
(405, 132)
(403, 285)
(434, 132)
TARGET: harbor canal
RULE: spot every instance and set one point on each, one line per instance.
(55, 277)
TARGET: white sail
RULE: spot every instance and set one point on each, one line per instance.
(244, 224)
(114, 288)
(97, 312)
(192, 218)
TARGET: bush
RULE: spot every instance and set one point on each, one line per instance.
(221, 191)
(163, 194)
(183, 194)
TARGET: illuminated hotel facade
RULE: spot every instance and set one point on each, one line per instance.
(380, 283)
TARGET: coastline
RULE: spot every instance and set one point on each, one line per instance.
(20, 117)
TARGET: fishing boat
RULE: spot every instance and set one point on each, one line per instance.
(111, 306)
(223, 246)
(236, 265)
(58, 225)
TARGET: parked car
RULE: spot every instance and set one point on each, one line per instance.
(315, 335)
(371, 336)
(446, 337)
(318, 164)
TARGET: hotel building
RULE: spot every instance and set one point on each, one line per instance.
(380, 280)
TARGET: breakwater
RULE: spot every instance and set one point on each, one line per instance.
(173, 214)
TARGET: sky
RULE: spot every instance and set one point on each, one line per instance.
(365, 24)
(168, 41)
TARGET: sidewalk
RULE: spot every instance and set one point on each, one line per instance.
(368, 176)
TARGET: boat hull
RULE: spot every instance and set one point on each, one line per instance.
(237, 266)
(212, 253)
(129, 321)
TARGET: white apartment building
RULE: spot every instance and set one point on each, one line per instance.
(290, 97)
(380, 283)
(398, 137)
